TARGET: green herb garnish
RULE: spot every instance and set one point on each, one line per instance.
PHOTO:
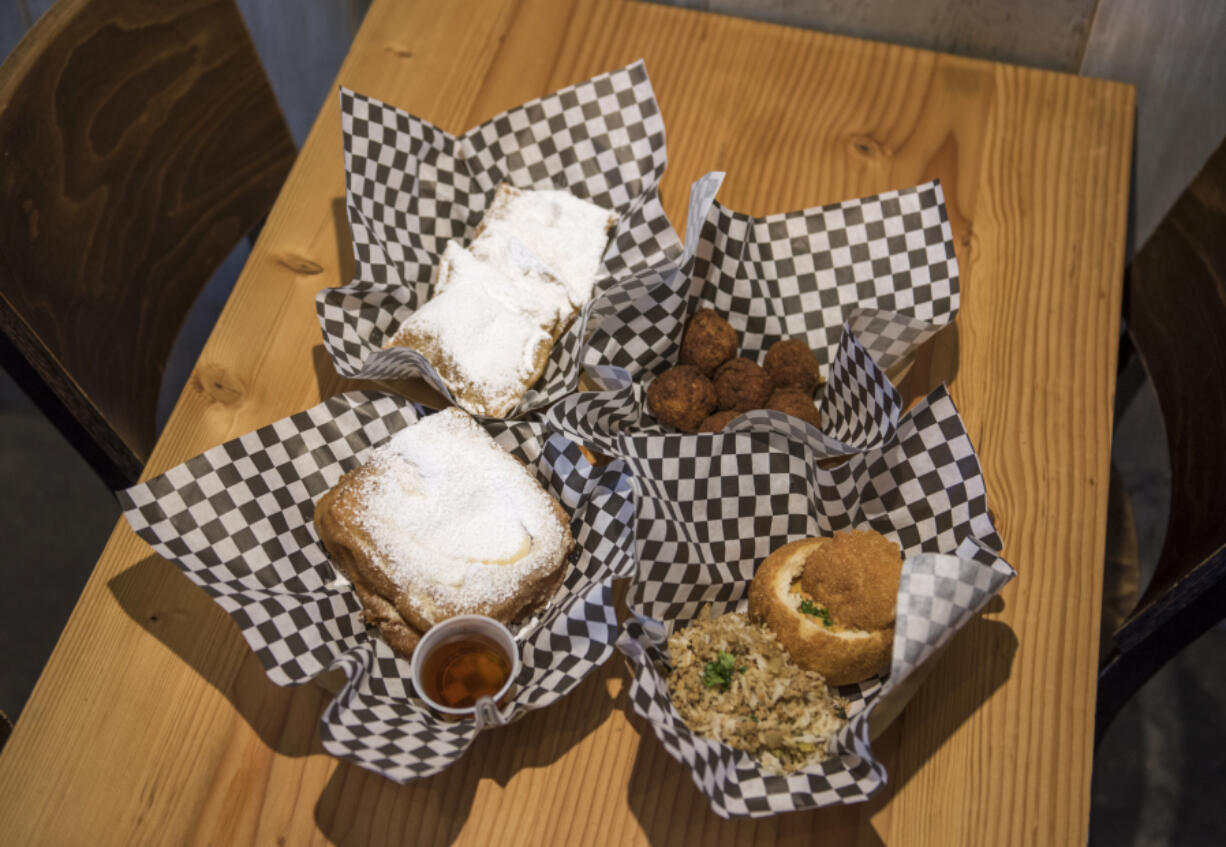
(808, 607)
(753, 717)
(720, 671)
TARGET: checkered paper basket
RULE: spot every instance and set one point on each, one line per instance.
(710, 507)
(863, 283)
(410, 187)
(237, 520)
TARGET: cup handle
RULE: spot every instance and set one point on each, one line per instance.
(486, 713)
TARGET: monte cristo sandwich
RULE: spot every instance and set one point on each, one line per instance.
(500, 303)
(440, 521)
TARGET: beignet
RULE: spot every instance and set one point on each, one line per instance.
(440, 521)
(501, 303)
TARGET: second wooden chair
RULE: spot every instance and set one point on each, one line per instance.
(140, 141)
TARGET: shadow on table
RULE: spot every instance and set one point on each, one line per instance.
(329, 381)
(157, 595)
(934, 362)
(344, 241)
(362, 808)
(672, 811)
(948, 698)
(356, 807)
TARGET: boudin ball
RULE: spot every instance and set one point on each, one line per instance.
(717, 421)
(792, 364)
(797, 404)
(856, 575)
(682, 397)
(709, 341)
(740, 385)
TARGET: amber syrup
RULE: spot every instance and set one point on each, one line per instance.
(463, 668)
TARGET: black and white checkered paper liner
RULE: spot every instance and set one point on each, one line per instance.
(859, 405)
(710, 507)
(882, 267)
(238, 521)
(411, 187)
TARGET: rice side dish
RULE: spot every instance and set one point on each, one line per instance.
(733, 681)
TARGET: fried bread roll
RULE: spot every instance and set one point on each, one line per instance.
(844, 629)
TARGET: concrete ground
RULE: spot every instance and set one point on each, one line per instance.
(1160, 772)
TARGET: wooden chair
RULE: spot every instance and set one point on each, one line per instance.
(140, 141)
(1175, 311)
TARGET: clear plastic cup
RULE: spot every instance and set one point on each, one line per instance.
(461, 630)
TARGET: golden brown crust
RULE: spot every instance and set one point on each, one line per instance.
(840, 654)
(708, 341)
(466, 394)
(856, 576)
(792, 364)
(682, 397)
(717, 421)
(741, 385)
(344, 538)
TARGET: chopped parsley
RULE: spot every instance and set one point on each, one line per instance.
(720, 671)
(808, 607)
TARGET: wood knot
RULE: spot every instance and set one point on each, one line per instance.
(169, 617)
(869, 147)
(27, 208)
(399, 51)
(216, 385)
(299, 264)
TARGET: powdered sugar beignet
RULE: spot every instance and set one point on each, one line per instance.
(440, 521)
(500, 303)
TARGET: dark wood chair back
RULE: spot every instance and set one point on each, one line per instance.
(1175, 312)
(141, 141)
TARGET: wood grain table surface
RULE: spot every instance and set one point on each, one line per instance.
(153, 723)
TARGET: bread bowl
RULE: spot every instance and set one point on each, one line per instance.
(840, 627)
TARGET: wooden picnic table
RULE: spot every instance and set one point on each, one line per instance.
(153, 723)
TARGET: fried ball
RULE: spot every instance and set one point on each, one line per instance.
(709, 341)
(717, 421)
(797, 404)
(681, 397)
(741, 385)
(855, 577)
(792, 364)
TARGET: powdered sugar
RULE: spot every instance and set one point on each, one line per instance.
(499, 305)
(521, 283)
(486, 351)
(455, 517)
(567, 233)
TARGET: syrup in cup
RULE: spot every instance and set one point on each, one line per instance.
(465, 666)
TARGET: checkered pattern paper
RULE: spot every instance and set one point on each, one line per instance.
(710, 507)
(238, 521)
(859, 407)
(881, 269)
(410, 187)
